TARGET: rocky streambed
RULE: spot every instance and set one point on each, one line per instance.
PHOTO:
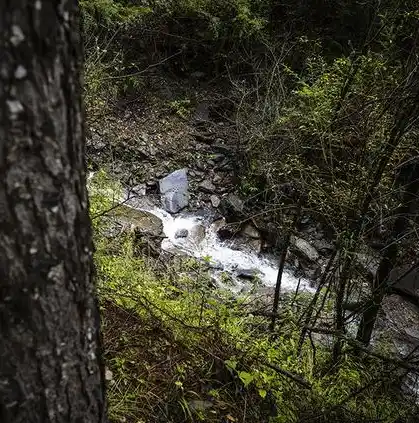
(197, 234)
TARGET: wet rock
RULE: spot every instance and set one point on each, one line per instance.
(174, 190)
(181, 233)
(217, 224)
(207, 186)
(140, 189)
(138, 220)
(197, 234)
(405, 282)
(313, 273)
(248, 274)
(250, 231)
(215, 201)
(228, 231)
(305, 249)
(231, 207)
(151, 188)
(256, 245)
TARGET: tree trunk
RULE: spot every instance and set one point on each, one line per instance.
(50, 368)
(281, 262)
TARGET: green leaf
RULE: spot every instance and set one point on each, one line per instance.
(262, 393)
(246, 378)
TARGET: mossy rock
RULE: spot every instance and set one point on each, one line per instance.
(140, 221)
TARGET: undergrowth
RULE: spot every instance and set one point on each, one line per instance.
(177, 349)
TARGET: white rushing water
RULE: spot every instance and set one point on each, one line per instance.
(202, 242)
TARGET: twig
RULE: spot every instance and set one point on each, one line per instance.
(294, 377)
(102, 213)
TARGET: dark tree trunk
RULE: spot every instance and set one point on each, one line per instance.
(49, 323)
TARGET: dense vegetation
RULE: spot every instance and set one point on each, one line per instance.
(324, 97)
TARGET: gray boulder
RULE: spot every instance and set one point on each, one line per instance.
(140, 221)
(174, 190)
(231, 207)
(303, 248)
(181, 233)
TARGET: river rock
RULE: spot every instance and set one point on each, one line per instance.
(218, 179)
(215, 201)
(181, 233)
(138, 220)
(231, 207)
(248, 274)
(305, 248)
(174, 190)
(250, 231)
(197, 234)
(206, 186)
(140, 189)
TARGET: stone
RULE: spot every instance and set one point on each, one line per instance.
(218, 179)
(198, 75)
(323, 246)
(206, 186)
(201, 113)
(138, 220)
(151, 188)
(108, 375)
(215, 201)
(174, 190)
(305, 248)
(248, 274)
(181, 233)
(218, 158)
(200, 165)
(140, 189)
(250, 231)
(256, 245)
(197, 234)
(231, 207)
(199, 405)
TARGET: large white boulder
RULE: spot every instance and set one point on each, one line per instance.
(174, 191)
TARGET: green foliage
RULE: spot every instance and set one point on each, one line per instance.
(236, 18)
(110, 13)
(181, 107)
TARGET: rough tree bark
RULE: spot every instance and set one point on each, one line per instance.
(50, 368)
